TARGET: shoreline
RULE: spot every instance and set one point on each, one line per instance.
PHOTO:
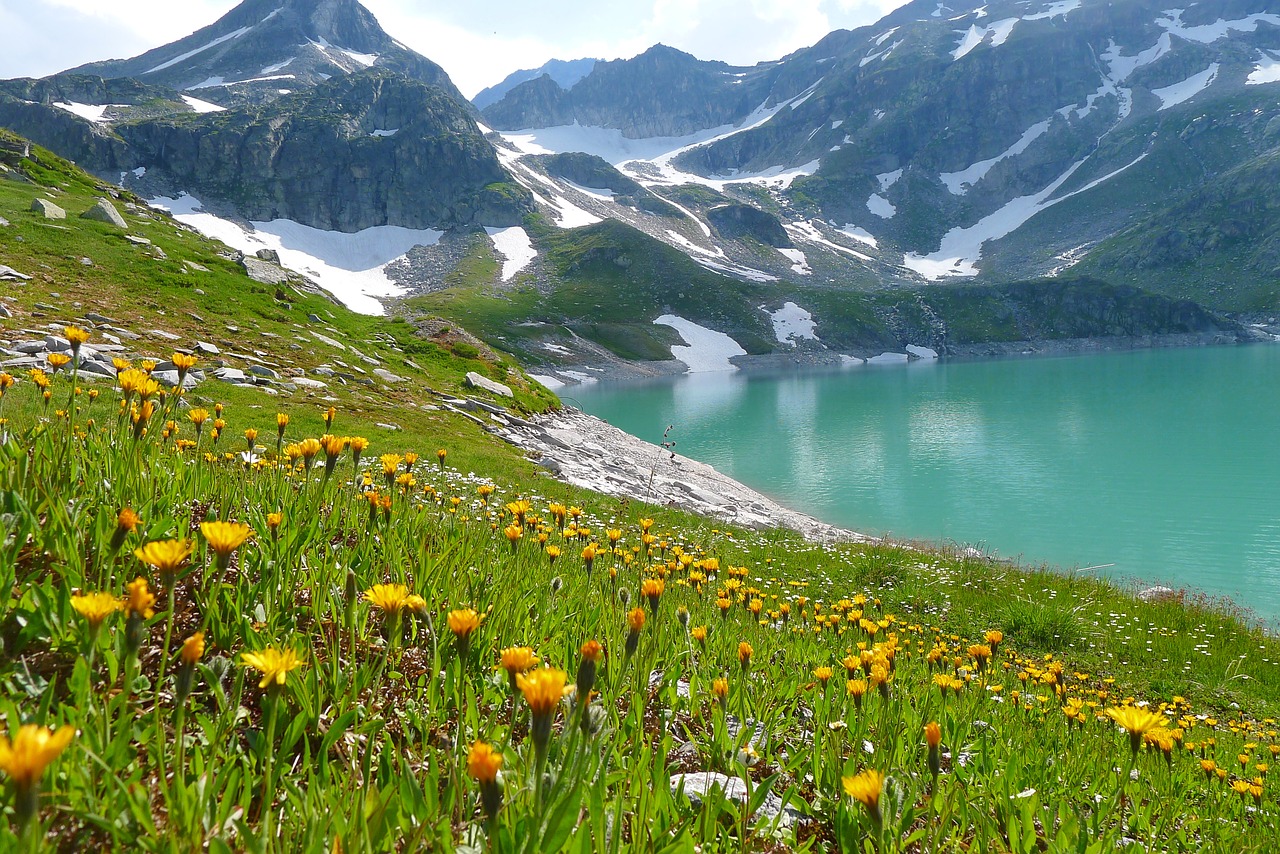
(619, 370)
(590, 453)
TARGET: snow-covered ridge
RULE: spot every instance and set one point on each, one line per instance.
(92, 112)
(960, 182)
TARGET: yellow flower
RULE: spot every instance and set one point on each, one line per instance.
(390, 598)
(274, 664)
(139, 601)
(225, 537)
(192, 649)
(183, 361)
(483, 763)
(274, 520)
(75, 335)
(415, 603)
(744, 654)
(699, 633)
(31, 751)
(390, 464)
(58, 360)
(463, 622)
(308, 448)
(198, 416)
(720, 688)
(167, 556)
(542, 689)
(282, 421)
(652, 589)
(1136, 721)
(635, 619)
(822, 674)
(932, 734)
(95, 607)
(865, 788)
(516, 660)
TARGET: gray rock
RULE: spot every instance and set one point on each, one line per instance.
(387, 376)
(86, 262)
(204, 348)
(4, 311)
(315, 318)
(29, 347)
(323, 371)
(104, 211)
(264, 271)
(698, 785)
(230, 375)
(268, 255)
(137, 241)
(260, 371)
(164, 336)
(325, 339)
(56, 343)
(99, 368)
(98, 318)
(194, 267)
(48, 209)
(388, 426)
(475, 380)
(170, 379)
(304, 382)
(10, 274)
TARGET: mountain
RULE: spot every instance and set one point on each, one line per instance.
(366, 134)
(997, 141)
(564, 73)
(264, 48)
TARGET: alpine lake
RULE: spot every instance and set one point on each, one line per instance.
(1156, 467)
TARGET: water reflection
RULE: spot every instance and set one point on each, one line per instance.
(1162, 463)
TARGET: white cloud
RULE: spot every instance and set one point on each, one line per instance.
(478, 44)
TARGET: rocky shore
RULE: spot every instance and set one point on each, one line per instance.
(587, 452)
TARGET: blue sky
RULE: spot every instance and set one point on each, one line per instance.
(478, 43)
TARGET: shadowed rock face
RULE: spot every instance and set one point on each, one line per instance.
(392, 151)
(736, 221)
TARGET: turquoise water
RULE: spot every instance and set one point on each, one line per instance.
(1159, 465)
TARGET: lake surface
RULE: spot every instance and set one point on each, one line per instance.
(1160, 465)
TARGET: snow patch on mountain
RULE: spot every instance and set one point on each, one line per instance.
(92, 112)
(961, 247)
(808, 232)
(706, 350)
(1055, 10)
(274, 67)
(349, 266)
(1171, 96)
(791, 324)
(202, 106)
(1266, 71)
(515, 247)
(888, 179)
(880, 206)
(183, 57)
(960, 182)
(1219, 29)
(975, 35)
(859, 234)
(799, 263)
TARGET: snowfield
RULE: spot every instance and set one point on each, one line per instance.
(349, 266)
(707, 349)
(515, 247)
(791, 323)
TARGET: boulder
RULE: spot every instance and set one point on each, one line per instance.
(10, 274)
(104, 211)
(389, 377)
(698, 785)
(264, 271)
(475, 380)
(48, 209)
(204, 348)
(268, 255)
(230, 375)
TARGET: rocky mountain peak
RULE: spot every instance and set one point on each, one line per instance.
(262, 49)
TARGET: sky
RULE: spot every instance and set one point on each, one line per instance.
(478, 43)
